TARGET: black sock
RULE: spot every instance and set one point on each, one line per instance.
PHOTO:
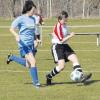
(35, 51)
(53, 73)
(78, 68)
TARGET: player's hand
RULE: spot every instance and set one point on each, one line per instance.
(43, 23)
(72, 34)
(17, 38)
(67, 38)
(62, 41)
(39, 41)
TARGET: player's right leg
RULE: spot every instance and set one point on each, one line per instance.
(20, 60)
(58, 55)
(8, 59)
(55, 71)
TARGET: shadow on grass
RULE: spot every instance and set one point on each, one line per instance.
(91, 82)
(63, 83)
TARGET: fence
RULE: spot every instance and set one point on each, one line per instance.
(81, 26)
(51, 8)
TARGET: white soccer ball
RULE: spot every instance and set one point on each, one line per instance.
(76, 76)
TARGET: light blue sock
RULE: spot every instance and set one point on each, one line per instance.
(34, 74)
(19, 60)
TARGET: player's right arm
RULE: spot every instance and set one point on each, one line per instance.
(13, 29)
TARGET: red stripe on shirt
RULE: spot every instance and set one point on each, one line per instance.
(60, 33)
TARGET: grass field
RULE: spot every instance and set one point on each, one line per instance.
(15, 81)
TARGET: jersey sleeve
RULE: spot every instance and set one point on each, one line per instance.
(16, 23)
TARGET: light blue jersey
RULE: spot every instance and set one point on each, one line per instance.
(65, 30)
(26, 26)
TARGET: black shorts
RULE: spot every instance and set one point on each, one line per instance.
(61, 51)
(37, 37)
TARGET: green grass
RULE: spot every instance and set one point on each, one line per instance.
(17, 85)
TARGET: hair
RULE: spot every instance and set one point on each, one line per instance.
(28, 6)
(62, 15)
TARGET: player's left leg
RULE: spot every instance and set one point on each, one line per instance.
(39, 38)
(55, 71)
(35, 47)
(36, 43)
(33, 69)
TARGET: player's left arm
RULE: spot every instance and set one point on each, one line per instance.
(68, 37)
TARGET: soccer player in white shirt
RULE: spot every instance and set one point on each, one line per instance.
(61, 51)
(38, 22)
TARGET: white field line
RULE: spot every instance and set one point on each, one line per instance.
(47, 50)
(77, 33)
(43, 71)
(75, 26)
(78, 42)
(68, 26)
(82, 42)
(70, 43)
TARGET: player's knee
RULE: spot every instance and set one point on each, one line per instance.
(61, 64)
(73, 58)
(61, 67)
(33, 63)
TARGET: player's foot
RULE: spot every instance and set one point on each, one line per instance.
(86, 77)
(8, 59)
(37, 85)
(48, 80)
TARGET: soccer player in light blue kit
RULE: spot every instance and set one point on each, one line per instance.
(26, 25)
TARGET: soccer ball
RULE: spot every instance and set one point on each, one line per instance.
(76, 76)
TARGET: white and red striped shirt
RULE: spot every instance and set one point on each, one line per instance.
(60, 31)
